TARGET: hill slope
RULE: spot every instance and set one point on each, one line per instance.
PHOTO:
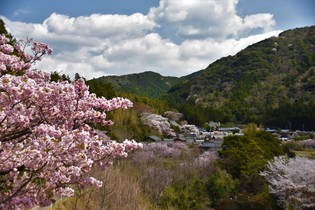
(145, 84)
(270, 82)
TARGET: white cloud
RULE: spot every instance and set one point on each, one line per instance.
(98, 25)
(99, 44)
(207, 18)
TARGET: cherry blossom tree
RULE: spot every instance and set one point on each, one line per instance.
(292, 181)
(47, 140)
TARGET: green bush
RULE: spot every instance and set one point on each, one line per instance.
(219, 186)
(190, 194)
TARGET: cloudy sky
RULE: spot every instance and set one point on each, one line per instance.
(172, 37)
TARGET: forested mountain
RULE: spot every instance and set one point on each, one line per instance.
(145, 84)
(271, 82)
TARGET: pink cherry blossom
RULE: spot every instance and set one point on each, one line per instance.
(47, 139)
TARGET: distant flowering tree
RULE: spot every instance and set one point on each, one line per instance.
(47, 143)
(155, 150)
(205, 159)
(292, 181)
(309, 143)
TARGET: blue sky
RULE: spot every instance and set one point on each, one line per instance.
(171, 37)
(37, 11)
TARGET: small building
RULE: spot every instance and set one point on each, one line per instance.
(192, 135)
(180, 139)
(270, 130)
(285, 130)
(211, 145)
(214, 125)
(152, 138)
(216, 135)
(284, 138)
(231, 129)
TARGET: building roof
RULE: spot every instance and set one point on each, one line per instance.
(210, 144)
(229, 129)
(180, 139)
(153, 138)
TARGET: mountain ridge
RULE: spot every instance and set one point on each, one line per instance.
(146, 83)
(264, 83)
(133, 83)
(271, 82)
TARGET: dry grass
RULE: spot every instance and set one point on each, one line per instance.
(310, 153)
(119, 191)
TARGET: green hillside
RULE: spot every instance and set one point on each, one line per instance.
(270, 82)
(145, 84)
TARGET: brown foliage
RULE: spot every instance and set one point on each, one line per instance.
(119, 191)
